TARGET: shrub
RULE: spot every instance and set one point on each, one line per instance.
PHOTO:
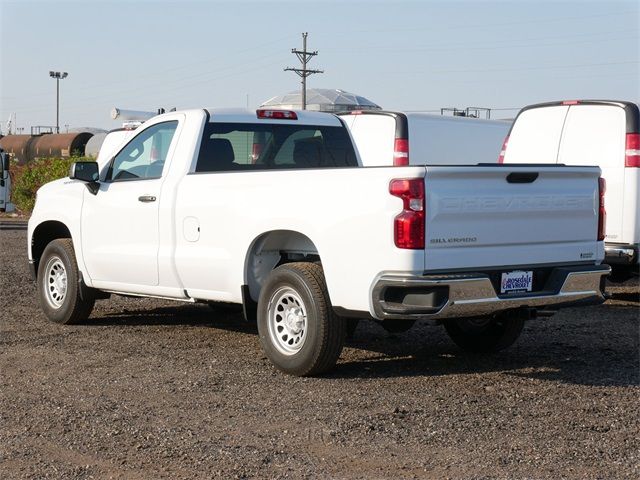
(27, 179)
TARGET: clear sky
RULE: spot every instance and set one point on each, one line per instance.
(406, 55)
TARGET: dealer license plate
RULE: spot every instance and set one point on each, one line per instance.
(515, 282)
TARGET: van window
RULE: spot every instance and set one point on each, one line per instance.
(242, 146)
(535, 137)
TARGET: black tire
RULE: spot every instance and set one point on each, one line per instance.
(297, 292)
(72, 303)
(620, 273)
(351, 326)
(397, 326)
(485, 335)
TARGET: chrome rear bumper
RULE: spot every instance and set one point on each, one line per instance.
(473, 294)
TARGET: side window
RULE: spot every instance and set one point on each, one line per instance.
(144, 156)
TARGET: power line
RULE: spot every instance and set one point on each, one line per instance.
(304, 72)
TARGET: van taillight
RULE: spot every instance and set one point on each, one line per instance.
(602, 213)
(503, 150)
(408, 226)
(400, 152)
(632, 150)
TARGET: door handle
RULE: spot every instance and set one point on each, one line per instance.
(146, 198)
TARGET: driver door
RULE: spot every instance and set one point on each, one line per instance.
(120, 238)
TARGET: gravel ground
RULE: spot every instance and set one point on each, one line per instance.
(153, 389)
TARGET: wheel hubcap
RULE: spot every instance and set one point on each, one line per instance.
(55, 282)
(287, 321)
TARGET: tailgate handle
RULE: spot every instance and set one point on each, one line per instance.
(522, 177)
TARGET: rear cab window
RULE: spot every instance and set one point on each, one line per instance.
(265, 146)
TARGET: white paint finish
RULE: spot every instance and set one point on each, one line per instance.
(112, 144)
(587, 135)
(347, 215)
(535, 136)
(374, 137)
(475, 218)
(120, 234)
(349, 233)
(441, 140)
(631, 207)
(433, 139)
(595, 135)
(191, 229)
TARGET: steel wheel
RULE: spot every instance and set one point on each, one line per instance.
(63, 296)
(55, 282)
(299, 331)
(287, 321)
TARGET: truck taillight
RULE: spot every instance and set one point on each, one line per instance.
(632, 150)
(602, 213)
(400, 152)
(408, 226)
(503, 150)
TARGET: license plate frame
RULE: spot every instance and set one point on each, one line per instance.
(516, 281)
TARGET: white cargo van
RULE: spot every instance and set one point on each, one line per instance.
(385, 138)
(590, 132)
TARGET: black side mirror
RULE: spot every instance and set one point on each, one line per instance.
(86, 172)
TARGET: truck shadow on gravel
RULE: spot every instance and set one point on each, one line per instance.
(574, 352)
(227, 318)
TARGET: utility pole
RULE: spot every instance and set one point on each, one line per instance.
(304, 72)
(58, 76)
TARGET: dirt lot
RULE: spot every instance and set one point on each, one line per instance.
(153, 389)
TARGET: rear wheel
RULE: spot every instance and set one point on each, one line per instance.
(63, 298)
(485, 335)
(621, 273)
(298, 330)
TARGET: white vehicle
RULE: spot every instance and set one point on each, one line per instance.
(112, 143)
(386, 138)
(590, 132)
(5, 183)
(272, 210)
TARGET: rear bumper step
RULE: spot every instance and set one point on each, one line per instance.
(473, 294)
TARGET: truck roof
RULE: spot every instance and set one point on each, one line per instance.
(241, 115)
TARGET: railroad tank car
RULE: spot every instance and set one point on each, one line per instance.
(26, 148)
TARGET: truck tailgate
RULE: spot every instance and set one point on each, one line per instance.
(510, 216)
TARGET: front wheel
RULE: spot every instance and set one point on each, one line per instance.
(298, 330)
(63, 298)
(485, 335)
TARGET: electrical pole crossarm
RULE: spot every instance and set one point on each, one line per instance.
(304, 56)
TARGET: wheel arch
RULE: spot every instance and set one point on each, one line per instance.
(271, 249)
(44, 234)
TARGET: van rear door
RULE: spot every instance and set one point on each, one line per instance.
(374, 137)
(535, 136)
(595, 135)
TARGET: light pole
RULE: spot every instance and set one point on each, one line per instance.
(58, 76)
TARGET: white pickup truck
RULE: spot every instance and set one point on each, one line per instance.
(273, 210)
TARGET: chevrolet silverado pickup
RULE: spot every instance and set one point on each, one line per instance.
(273, 210)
